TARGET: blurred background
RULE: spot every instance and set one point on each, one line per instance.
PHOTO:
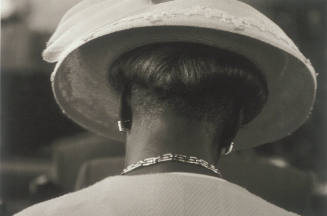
(44, 154)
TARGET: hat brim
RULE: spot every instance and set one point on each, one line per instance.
(81, 87)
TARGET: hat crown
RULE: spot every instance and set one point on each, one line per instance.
(85, 21)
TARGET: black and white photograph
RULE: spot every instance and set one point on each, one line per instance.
(163, 108)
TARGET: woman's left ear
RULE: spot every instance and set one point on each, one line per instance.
(231, 133)
(125, 122)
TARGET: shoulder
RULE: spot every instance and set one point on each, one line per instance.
(57, 206)
(77, 203)
(230, 197)
(175, 193)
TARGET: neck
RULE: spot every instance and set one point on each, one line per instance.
(170, 133)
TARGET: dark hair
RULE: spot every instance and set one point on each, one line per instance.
(197, 79)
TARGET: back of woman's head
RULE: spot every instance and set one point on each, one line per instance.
(195, 80)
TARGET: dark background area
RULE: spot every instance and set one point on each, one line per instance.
(30, 117)
(31, 121)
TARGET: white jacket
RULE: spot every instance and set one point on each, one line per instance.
(158, 194)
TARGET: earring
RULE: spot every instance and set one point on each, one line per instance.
(227, 151)
(122, 125)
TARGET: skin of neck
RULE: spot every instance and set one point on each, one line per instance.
(170, 132)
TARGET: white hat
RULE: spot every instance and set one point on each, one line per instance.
(96, 32)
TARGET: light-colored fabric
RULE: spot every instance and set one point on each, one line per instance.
(158, 194)
(286, 187)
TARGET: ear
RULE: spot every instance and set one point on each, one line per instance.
(125, 122)
(230, 132)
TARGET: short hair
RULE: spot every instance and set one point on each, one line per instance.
(195, 79)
